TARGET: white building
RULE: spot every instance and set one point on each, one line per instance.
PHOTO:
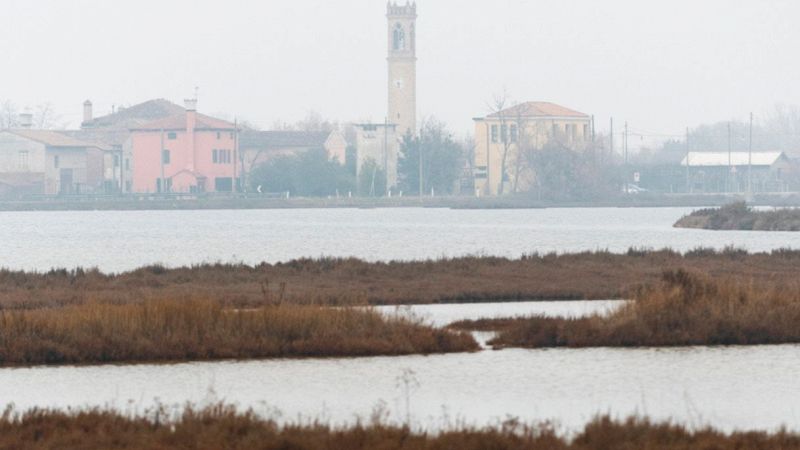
(380, 144)
(48, 162)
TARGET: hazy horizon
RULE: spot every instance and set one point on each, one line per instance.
(661, 67)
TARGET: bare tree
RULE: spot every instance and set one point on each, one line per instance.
(313, 121)
(522, 139)
(499, 106)
(44, 116)
(529, 144)
(781, 129)
(9, 116)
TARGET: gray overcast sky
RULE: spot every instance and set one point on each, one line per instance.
(660, 65)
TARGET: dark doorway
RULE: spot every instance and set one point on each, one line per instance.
(66, 182)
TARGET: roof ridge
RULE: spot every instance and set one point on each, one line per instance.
(51, 137)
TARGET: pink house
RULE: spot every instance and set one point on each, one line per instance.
(187, 152)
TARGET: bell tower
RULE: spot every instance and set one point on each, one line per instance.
(402, 66)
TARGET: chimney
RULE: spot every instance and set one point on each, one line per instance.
(87, 111)
(26, 120)
(191, 124)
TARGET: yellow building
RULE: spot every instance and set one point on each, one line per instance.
(507, 139)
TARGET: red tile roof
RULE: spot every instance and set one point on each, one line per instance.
(136, 115)
(539, 109)
(178, 122)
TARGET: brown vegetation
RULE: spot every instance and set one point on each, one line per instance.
(484, 324)
(739, 216)
(221, 427)
(588, 275)
(682, 309)
(171, 330)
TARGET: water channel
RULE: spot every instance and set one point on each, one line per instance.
(729, 388)
(124, 240)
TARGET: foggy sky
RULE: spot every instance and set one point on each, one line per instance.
(659, 65)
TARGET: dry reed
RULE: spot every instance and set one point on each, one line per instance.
(682, 309)
(221, 427)
(175, 330)
(587, 275)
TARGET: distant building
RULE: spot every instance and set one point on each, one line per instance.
(378, 144)
(112, 133)
(715, 172)
(48, 162)
(258, 147)
(185, 152)
(528, 126)
(402, 42)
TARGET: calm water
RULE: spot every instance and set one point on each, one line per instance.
(737, 387)
(441, 315)
(122, 240)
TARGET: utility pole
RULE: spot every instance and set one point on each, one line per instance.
(386, 156)
(625, 156)
(121, 171)
(730, 166)
(235, 182)
(750, 162)
(421, 184)
(688, 163)
(625, 143)
(162, 184)
(611, 136)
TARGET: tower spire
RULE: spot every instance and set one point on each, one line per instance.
(402, 59)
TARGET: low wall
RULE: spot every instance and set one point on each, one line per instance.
(240, 201)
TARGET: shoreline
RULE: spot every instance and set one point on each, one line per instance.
(144, 202)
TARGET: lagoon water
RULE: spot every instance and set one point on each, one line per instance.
(730, 388)
(123, 240)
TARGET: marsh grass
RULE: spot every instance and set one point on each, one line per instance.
(197, 329)
(682, 309)
(222, 427)
(332, 281)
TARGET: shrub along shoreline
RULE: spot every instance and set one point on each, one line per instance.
(739, 216)
(683, 309)
(222, 426)
(200, 330)
(333, 281)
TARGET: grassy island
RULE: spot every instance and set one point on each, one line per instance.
(739, 216)
(333, 281)
(194, 330)
(683, 309)
(222, 427)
